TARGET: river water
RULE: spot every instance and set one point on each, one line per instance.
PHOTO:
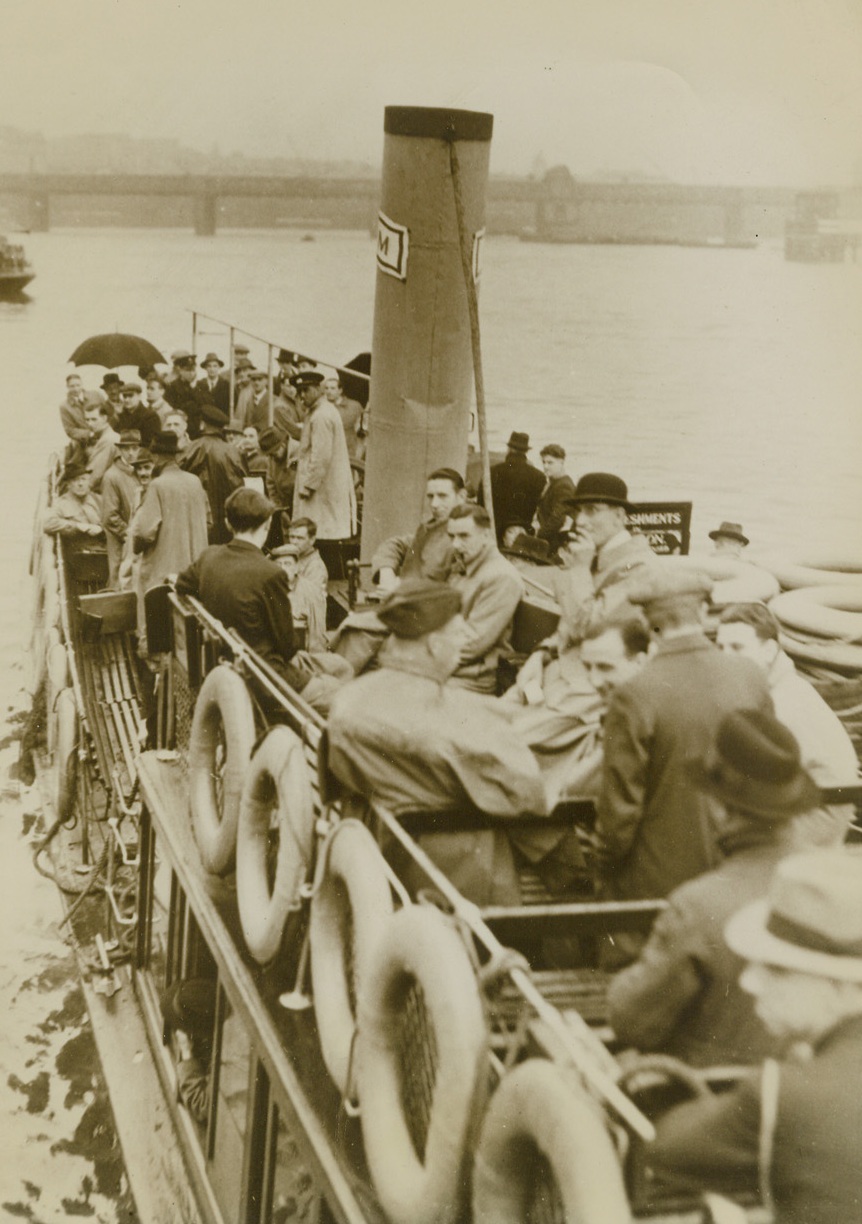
(729, 378)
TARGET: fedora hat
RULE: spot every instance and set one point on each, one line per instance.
(213, 415)
(211, 357)
(601, 487)
(812, 919)
(755, 767)
(732, 530)
(164, 443)
(518, 441)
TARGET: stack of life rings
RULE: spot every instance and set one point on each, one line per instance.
(820, 611)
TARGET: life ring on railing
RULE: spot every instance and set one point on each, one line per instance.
(349, 912)
(277, 796)
(734, 580)
(220, 744)
(833, 612)
(539, 1108)
(420, 974)
(65, 754)
(823, 569)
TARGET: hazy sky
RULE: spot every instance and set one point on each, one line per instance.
(757, 91)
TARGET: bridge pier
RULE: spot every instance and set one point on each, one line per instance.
(40, 212)
(734, 221)
(206, 212)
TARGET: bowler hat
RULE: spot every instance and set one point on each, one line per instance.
(732, 530)
(811, 921)
(212, 357)
(661, 584)
(270, 440)
(755, 767)
(110, 380)
(419, 606)
(130, 437)
(306, 378)
(164, 443)
(213, 415)
(601, 487)
(518, 441)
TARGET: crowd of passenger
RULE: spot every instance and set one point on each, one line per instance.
(704, 751)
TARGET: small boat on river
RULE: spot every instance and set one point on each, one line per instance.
(16, 271)
(361, 1050)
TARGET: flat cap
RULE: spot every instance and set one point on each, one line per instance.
(663, 584)
(131, 388)
(419, 606)
(253, 373)
(130, 437)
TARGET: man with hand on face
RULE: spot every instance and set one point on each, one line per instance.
(428, 552)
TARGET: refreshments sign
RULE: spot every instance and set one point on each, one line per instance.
(666, 525)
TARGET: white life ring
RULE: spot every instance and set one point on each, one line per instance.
(824, 611)
(539, 1109)
(220, 744)
(277, 796)
(842, 657)
(65, 754)
(421, 949)
(349, 912)
(815, 569)
(734, 580)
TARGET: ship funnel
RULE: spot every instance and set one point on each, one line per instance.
(422, 364)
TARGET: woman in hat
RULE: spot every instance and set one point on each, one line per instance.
(790, 1130)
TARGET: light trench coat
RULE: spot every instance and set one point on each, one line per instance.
(324, 481)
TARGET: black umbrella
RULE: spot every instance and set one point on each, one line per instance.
(354, 387)
(116, 349)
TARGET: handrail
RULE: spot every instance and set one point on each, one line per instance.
(588, 1054)
(272, 344)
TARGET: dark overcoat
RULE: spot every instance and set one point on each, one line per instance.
(246, 592)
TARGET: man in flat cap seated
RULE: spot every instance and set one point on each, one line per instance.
(791, 1129)
(217, 464)
(404, 736)
(682, 995)
(654, 830)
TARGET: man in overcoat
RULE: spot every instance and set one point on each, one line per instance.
(217, 465)
(682, 996)
(405, 736)
(791, 1129)
(654, 830)
(516, 485)
(170, 526)
(120, 489)
(324, 482)
(214, 388)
